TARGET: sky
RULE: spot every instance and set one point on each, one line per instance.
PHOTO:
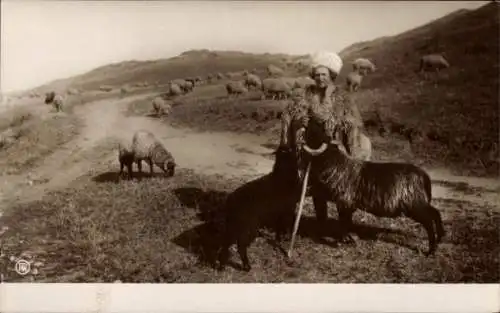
(43, 40)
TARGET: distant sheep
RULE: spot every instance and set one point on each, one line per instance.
(433, 61)
(266, 200)
(105, 88)
(382, 189)
(274, 71)
(160, 106)
(236, 88)
(353, 81)
(145, 146)
(363, 66)
(72, 91)
(289, 81)
(55, 99)
(253, 80)
(277, 88)
(361, 147)
(303, 82)
(174, 90)
(124, 90)
(188, 86)
(180, 82)
(192, 80)
(220, 76)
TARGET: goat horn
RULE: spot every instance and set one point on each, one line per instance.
(315, 152)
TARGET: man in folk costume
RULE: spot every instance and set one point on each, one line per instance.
(326, 113)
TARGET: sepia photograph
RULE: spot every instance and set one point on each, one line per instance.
(249, 142)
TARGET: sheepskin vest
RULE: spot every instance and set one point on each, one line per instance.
(333, 117)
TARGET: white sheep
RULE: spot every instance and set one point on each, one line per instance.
(145, 146)
(363, 66)
(433, 61)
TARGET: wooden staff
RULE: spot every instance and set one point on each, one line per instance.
(299, 213)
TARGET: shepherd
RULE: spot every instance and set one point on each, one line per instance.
(322, 104)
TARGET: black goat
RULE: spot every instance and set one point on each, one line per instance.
(268, 199)
(382, 189)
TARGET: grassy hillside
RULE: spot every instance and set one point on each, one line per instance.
(454, 111)
(190, 63)
(457, 108)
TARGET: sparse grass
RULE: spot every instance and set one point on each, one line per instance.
(159, 230)
(243, 114)
(208, 108)
(15, 117)
(36, 139)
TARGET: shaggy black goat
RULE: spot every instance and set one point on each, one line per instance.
(268, 199)
(382, 189)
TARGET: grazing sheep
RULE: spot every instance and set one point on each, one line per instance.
(253, 80)
(353, 81)
(269, 199)
(275, 87)
(146, 147)
(124, 90)
(220, 76)
(188, 86)
(58, 102)
(181, 83)
(362, 148)
(382, 189)
(274, 71)
(174, 90)
(433, 61)
(191, 80)
(55, 99)
(236, 88)
(160, 106)
(289, 81)
(303, 82)
(105, 88)
(72, 91)
(363, 66)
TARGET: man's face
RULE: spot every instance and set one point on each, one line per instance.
(322, 76)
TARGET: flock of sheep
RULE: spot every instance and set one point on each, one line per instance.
(278, 86)
(352, 184)
(382, 189)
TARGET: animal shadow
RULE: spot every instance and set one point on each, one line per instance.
(209, 204)
(115, 177)
(463, 187)
(310, 228)
(204, 240)
(156, 115)
(329, 233)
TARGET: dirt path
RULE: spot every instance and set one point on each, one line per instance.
(210, 153)
(225, 154)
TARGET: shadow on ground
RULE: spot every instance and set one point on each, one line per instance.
(464, 187)
(114, 177)
(203, 240)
